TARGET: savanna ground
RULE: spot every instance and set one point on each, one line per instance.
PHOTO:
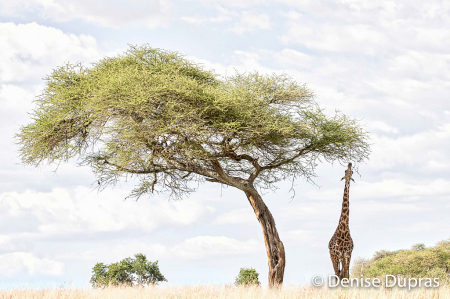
(223, 292)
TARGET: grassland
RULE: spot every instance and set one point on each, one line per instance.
(223, 292)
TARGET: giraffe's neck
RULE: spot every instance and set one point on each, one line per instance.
(343, 221)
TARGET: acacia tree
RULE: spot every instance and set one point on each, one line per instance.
(153, 114)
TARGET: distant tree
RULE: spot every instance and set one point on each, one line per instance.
(382, 254)
(145, 271)
(128, 272)
(418, 247)
(151, 113)
(99, 275)
(247, 276)
(419, 261)
(359, 264)
(445, 244)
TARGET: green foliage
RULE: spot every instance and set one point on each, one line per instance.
(418, 247)
(247, 276)
(154, 114)
(417, 262)
(445, 244)
(128, 272)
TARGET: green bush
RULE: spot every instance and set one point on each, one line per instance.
(247, 276)
(128, 272)
(419, 261)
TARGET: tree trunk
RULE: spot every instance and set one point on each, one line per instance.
(274, 246)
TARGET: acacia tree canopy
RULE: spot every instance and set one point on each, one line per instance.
(154, 114)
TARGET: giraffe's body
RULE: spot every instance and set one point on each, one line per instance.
(341, 244)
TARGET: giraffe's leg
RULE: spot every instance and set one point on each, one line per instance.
(340, 270)
(348, 266)
(345, 266)
(334, 260)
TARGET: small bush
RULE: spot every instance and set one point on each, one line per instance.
(247, 276)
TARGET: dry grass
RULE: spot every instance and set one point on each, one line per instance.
(222, 292)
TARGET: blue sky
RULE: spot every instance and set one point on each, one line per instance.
(383, 62)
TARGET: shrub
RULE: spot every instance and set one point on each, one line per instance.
(419, 261)
(128, 272)
(247, 276)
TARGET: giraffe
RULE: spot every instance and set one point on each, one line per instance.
(341, 244)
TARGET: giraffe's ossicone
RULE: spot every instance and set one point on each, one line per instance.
(341, 244)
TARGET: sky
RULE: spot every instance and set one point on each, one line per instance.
(385, 63)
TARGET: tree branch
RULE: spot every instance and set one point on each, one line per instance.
(218, 168)
(301, 152)
(149, 171)
(217, 181)
(256, 172)
(185, 176)
(234, 156)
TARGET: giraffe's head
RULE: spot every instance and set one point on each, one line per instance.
(348, 173)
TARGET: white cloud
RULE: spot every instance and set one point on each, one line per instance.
(15, 98)
(422, 67)
(6, 243)
(151, 13)
(307, 5)
(379, 125)
(223, 15)
(295, 59)
(368, 27)
(24, 262)
(421, 227)
(218, 68)
(304, 237)
(387, 189)
(249, 21)
(234, 3)
(349, 38)
(245, 21)
(201, 247)
(201, 20)
(61, 213)
(195, 248)
(248, 61)
(307, 211)
(30, 51)
(113, 253)
(245, 215)
(425, 149)
(374, 209)
(242, 61)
